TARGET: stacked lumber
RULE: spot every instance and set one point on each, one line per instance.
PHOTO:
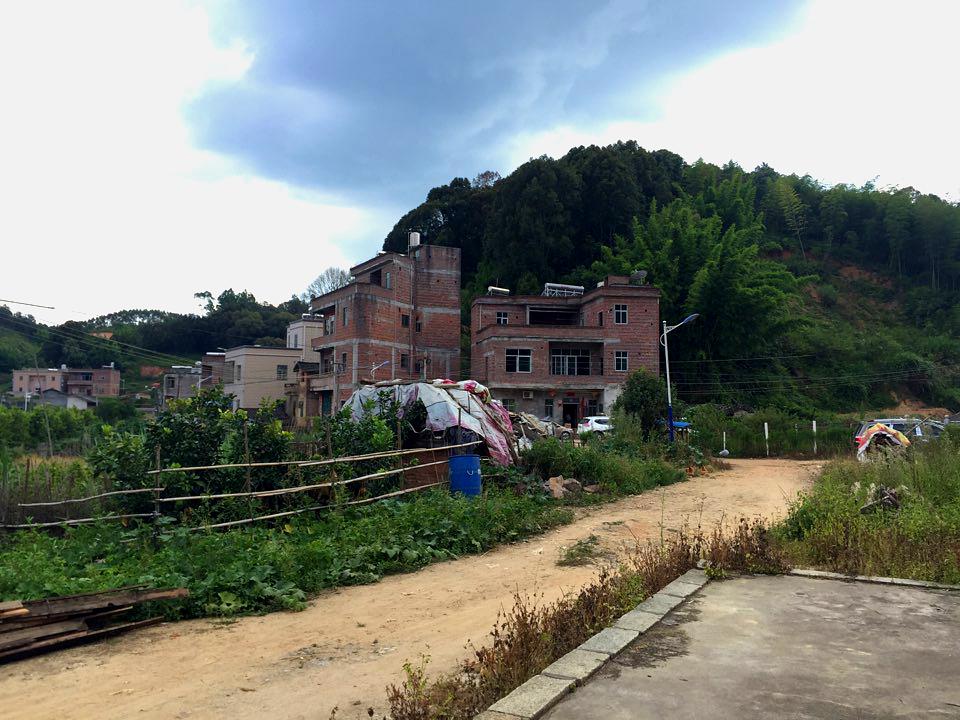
(31, 626)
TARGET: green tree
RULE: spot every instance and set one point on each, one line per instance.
(644, 397)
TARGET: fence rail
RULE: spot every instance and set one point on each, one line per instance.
(158, 498)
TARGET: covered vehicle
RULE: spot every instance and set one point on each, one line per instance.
(878, 437)
(461, 407)
(914, 429)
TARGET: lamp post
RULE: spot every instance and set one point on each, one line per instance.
(666, 358)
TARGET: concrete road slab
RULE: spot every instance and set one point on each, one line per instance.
(786, 647)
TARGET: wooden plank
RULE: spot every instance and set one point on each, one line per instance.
(100, 601)
(10, 605)
(13, 613)
(29, 635)
(72, 639)
(25, 622)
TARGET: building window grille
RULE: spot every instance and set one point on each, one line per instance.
(519, 360)
(281, 372)
(620, 361)
(501, 318)
(620, 314)
(548, 408)
(569, 361)
(509, 404)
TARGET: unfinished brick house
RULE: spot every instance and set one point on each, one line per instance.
(399, 317)
(565, 354)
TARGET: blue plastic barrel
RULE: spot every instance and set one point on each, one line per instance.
(465, 474)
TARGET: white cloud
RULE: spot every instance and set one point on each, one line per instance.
(107, 205)
(859, 90)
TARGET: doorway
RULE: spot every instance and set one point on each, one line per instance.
(571, 413)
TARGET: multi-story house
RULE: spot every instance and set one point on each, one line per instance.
(565, 354)
(252, 373)
(399, 317)
(93, 382)
(38, 380)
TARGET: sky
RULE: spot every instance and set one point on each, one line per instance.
(152, 150)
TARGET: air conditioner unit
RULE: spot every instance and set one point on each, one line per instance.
(528, 394)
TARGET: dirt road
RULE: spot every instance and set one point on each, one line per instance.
(350, 643)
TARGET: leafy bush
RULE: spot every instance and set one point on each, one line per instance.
(595, 464)
(267, 568)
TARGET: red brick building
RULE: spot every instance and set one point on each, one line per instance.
(93, 382)
(565, 354)
(399, 317)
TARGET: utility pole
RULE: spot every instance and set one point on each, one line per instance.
(666, 358)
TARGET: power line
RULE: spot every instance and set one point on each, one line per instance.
(17, 302)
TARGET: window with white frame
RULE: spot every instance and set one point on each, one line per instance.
(281, 372)
(518, 360)
(620, 361)
(501, 318)
(620, 314)
(548, 407)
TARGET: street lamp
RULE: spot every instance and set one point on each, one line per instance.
(666, 358)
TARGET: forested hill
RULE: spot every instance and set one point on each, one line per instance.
(809, 296)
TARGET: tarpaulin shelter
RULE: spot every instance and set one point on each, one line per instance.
(880, 435)
(449, 404)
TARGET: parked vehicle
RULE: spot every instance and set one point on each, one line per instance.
(914, 429)
(599, 424)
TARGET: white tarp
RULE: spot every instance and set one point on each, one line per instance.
(465, 404)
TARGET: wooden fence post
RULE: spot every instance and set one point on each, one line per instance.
(766, 437)
(814, 437)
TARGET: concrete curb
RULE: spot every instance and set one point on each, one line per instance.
(902, 582)
(543, 691)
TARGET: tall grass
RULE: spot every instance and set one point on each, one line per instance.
(920, 539)
(789, 436)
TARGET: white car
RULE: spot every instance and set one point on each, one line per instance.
(599, 424)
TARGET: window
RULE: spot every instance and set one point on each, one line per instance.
(171, 383)
(548, 408)
(600, 318)
(593, 407)
(389, 283)
(238, 374)
(346, 316)
(620, 314)
(404, 361)
(620, 361)
(569, 361)
(421, 366)
(419, 325)
(518, 360)
(343, 362)
(281, 372)
(405, 320)
(509, 404)
(501, 318)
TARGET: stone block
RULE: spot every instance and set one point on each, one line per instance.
(637, 620)
(659, 604)
(534, 697)
(577, 665)
(610, 640)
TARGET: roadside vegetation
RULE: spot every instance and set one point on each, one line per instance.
(531, 635)
(844, 524)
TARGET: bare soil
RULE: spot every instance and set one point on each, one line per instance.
(349, 644)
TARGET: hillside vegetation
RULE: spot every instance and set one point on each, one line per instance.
(809, 296)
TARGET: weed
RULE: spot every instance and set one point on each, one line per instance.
(582, 552)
